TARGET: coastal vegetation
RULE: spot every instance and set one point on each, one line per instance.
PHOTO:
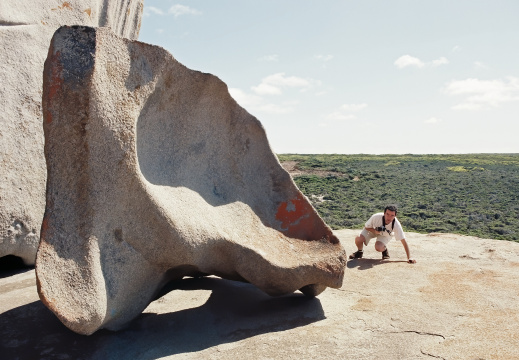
(475, 194)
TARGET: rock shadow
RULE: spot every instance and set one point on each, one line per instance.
(366, 264)
(11, 265)
(234, 311)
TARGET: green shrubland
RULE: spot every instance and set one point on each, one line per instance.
(476, 194)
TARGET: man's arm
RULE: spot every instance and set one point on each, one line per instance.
(372, 230)
(372, 222)
(408, 253)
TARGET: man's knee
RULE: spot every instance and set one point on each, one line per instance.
(360, 240)
(380, 246)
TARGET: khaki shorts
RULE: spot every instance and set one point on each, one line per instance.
(384, 239)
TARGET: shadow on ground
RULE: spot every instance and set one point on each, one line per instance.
(365, 264)
(234, 311)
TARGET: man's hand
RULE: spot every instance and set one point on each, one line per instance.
(411, 261)
(372, 230)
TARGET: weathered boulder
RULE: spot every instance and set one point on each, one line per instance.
(26, 27)
(156, 173)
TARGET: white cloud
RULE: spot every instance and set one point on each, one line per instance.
(456, 48)
(266, 89)
(276, 109)
(273, 57)
(337, 115)
(408, 60)
(291, 81)
(432, 120)
(243, 98)
(354, 107)
(272, 84)
(175, 10)
(470, 106)
(256, 103)
(148, 10)
(483, 94)
(478, 65)
(324, 57)
(178, 10)
(440, 61)
(344, 113)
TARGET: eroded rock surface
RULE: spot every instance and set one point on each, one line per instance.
(156, 173)
(26, 27)
(459, 301)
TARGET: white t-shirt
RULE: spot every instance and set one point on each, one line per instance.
(376, 221)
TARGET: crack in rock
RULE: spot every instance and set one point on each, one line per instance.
(353, 292)
(431, 355)
(419, 333)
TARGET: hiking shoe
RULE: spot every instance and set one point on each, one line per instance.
(385, 254)
(357, 254)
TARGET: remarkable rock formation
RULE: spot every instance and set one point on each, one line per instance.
(26, 27)
(156, 173)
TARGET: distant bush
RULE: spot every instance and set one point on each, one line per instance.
(475, 194)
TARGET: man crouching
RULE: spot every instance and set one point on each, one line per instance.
(382, 226)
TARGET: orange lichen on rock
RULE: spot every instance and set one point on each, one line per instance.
(65, 5)
(292, 212)
(299, 220)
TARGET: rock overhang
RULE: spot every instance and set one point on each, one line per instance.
(155, 173)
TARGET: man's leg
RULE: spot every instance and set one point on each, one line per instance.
(359, 241)
(381, 247)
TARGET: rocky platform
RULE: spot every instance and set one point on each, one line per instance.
(458, 302)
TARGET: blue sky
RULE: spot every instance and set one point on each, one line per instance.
(349, 77)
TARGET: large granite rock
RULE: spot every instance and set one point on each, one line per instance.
(156, 173)
(26, 27)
